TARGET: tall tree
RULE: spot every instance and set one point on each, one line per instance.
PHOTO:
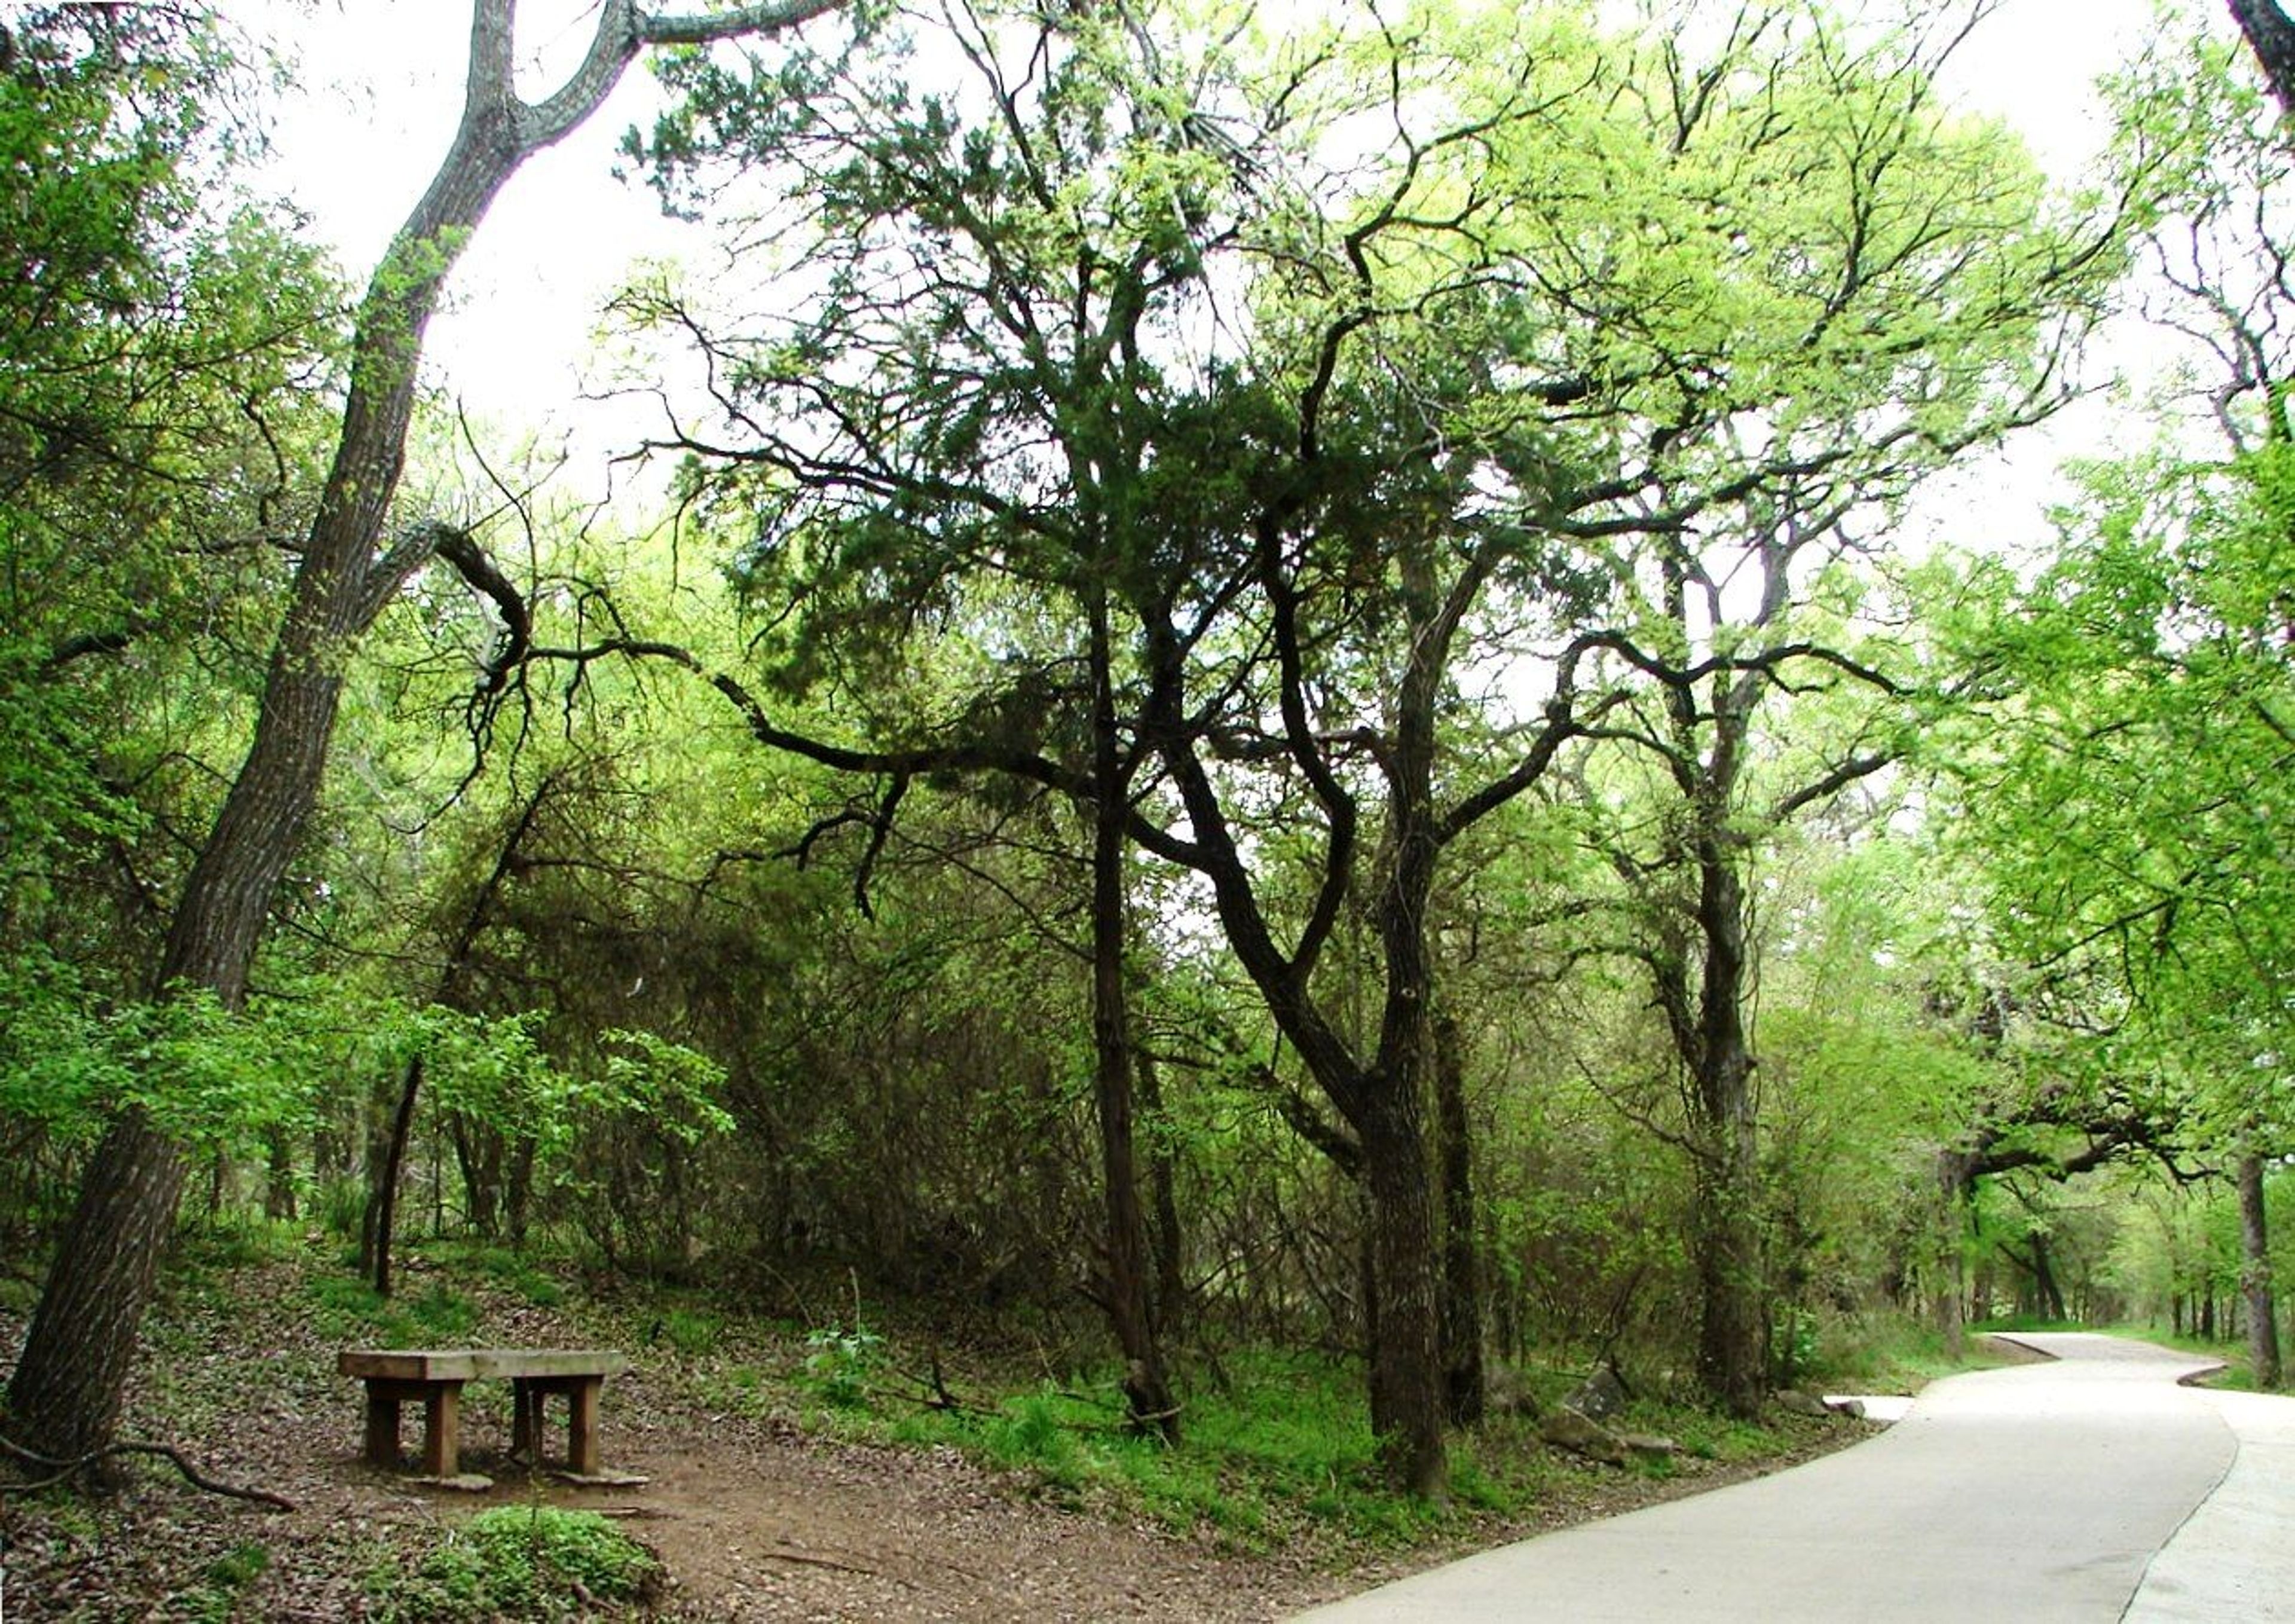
(1763, 428)
(67, 1385)
(2132, 797)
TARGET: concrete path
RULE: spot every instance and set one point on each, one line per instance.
(2040, 1493)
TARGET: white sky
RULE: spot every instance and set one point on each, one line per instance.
(380, 89)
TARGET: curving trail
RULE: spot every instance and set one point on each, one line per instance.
(2086, 1490)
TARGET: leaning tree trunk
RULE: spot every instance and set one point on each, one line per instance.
(67, 1390)
(2272, 36)
(2255, 1282)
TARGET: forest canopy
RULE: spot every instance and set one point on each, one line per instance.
(1334, 686)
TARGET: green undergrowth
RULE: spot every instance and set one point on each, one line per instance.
(1888, 1354)
(1275, 1446)
(2238, 1374)
(518, 1563)
(2012, 1322)
(1280, 1451)
(446, 1293)
(1275, 1451)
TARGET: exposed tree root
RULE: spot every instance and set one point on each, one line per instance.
(61, 1470)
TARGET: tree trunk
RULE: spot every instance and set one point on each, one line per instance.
(1732, 1327)
(2272, 38)
(479, 1153)
(2255, 1283)
(1406, 1356)
(2044, 1287)
(67, 1390)
(1462, 1286)
(1956, 1189)
(384, 1196)
(279, 1198)
(1126, 1299)
(1171, 1298)
(66, 1396)
(1383, 1100)
(518, 1189)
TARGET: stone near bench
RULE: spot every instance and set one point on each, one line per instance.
(434, 1378)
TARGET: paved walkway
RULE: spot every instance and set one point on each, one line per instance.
(2079, 1491)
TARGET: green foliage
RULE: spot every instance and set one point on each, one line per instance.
(348, 1310)
(1883, 1352)
(1792, 1344)
(163, 350)
(238, 1237)
(692, 1332)
(840, 1362)
(519, 1563)
(224, 1582)
(70, 1057)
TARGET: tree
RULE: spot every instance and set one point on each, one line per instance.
(67, 1385)
(1756, 450)
(2131, 803)
(1431, 427)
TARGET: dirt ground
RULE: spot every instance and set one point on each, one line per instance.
(754, 1520)
(752, 1524)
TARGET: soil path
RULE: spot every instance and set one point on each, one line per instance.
(758, 1527)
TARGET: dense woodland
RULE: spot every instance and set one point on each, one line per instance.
(1322, 687)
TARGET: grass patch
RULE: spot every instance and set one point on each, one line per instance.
(692, 1332)
(346, 1310)
(1888, 1353)
(1278, 1452)
(2024, 1322)
(237, 1237)
(223, 1586)
(513, 1270)
(518, 1563)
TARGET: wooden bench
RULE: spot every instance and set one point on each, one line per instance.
(434, 1378)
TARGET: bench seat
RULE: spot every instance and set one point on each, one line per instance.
(433, 1378)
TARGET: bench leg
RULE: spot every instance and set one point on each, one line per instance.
(582, 1425)
(442, 1432)
(381, 1428)
(526, 1397)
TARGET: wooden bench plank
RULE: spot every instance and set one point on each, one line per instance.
(470, 1364)
(407, 1365)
